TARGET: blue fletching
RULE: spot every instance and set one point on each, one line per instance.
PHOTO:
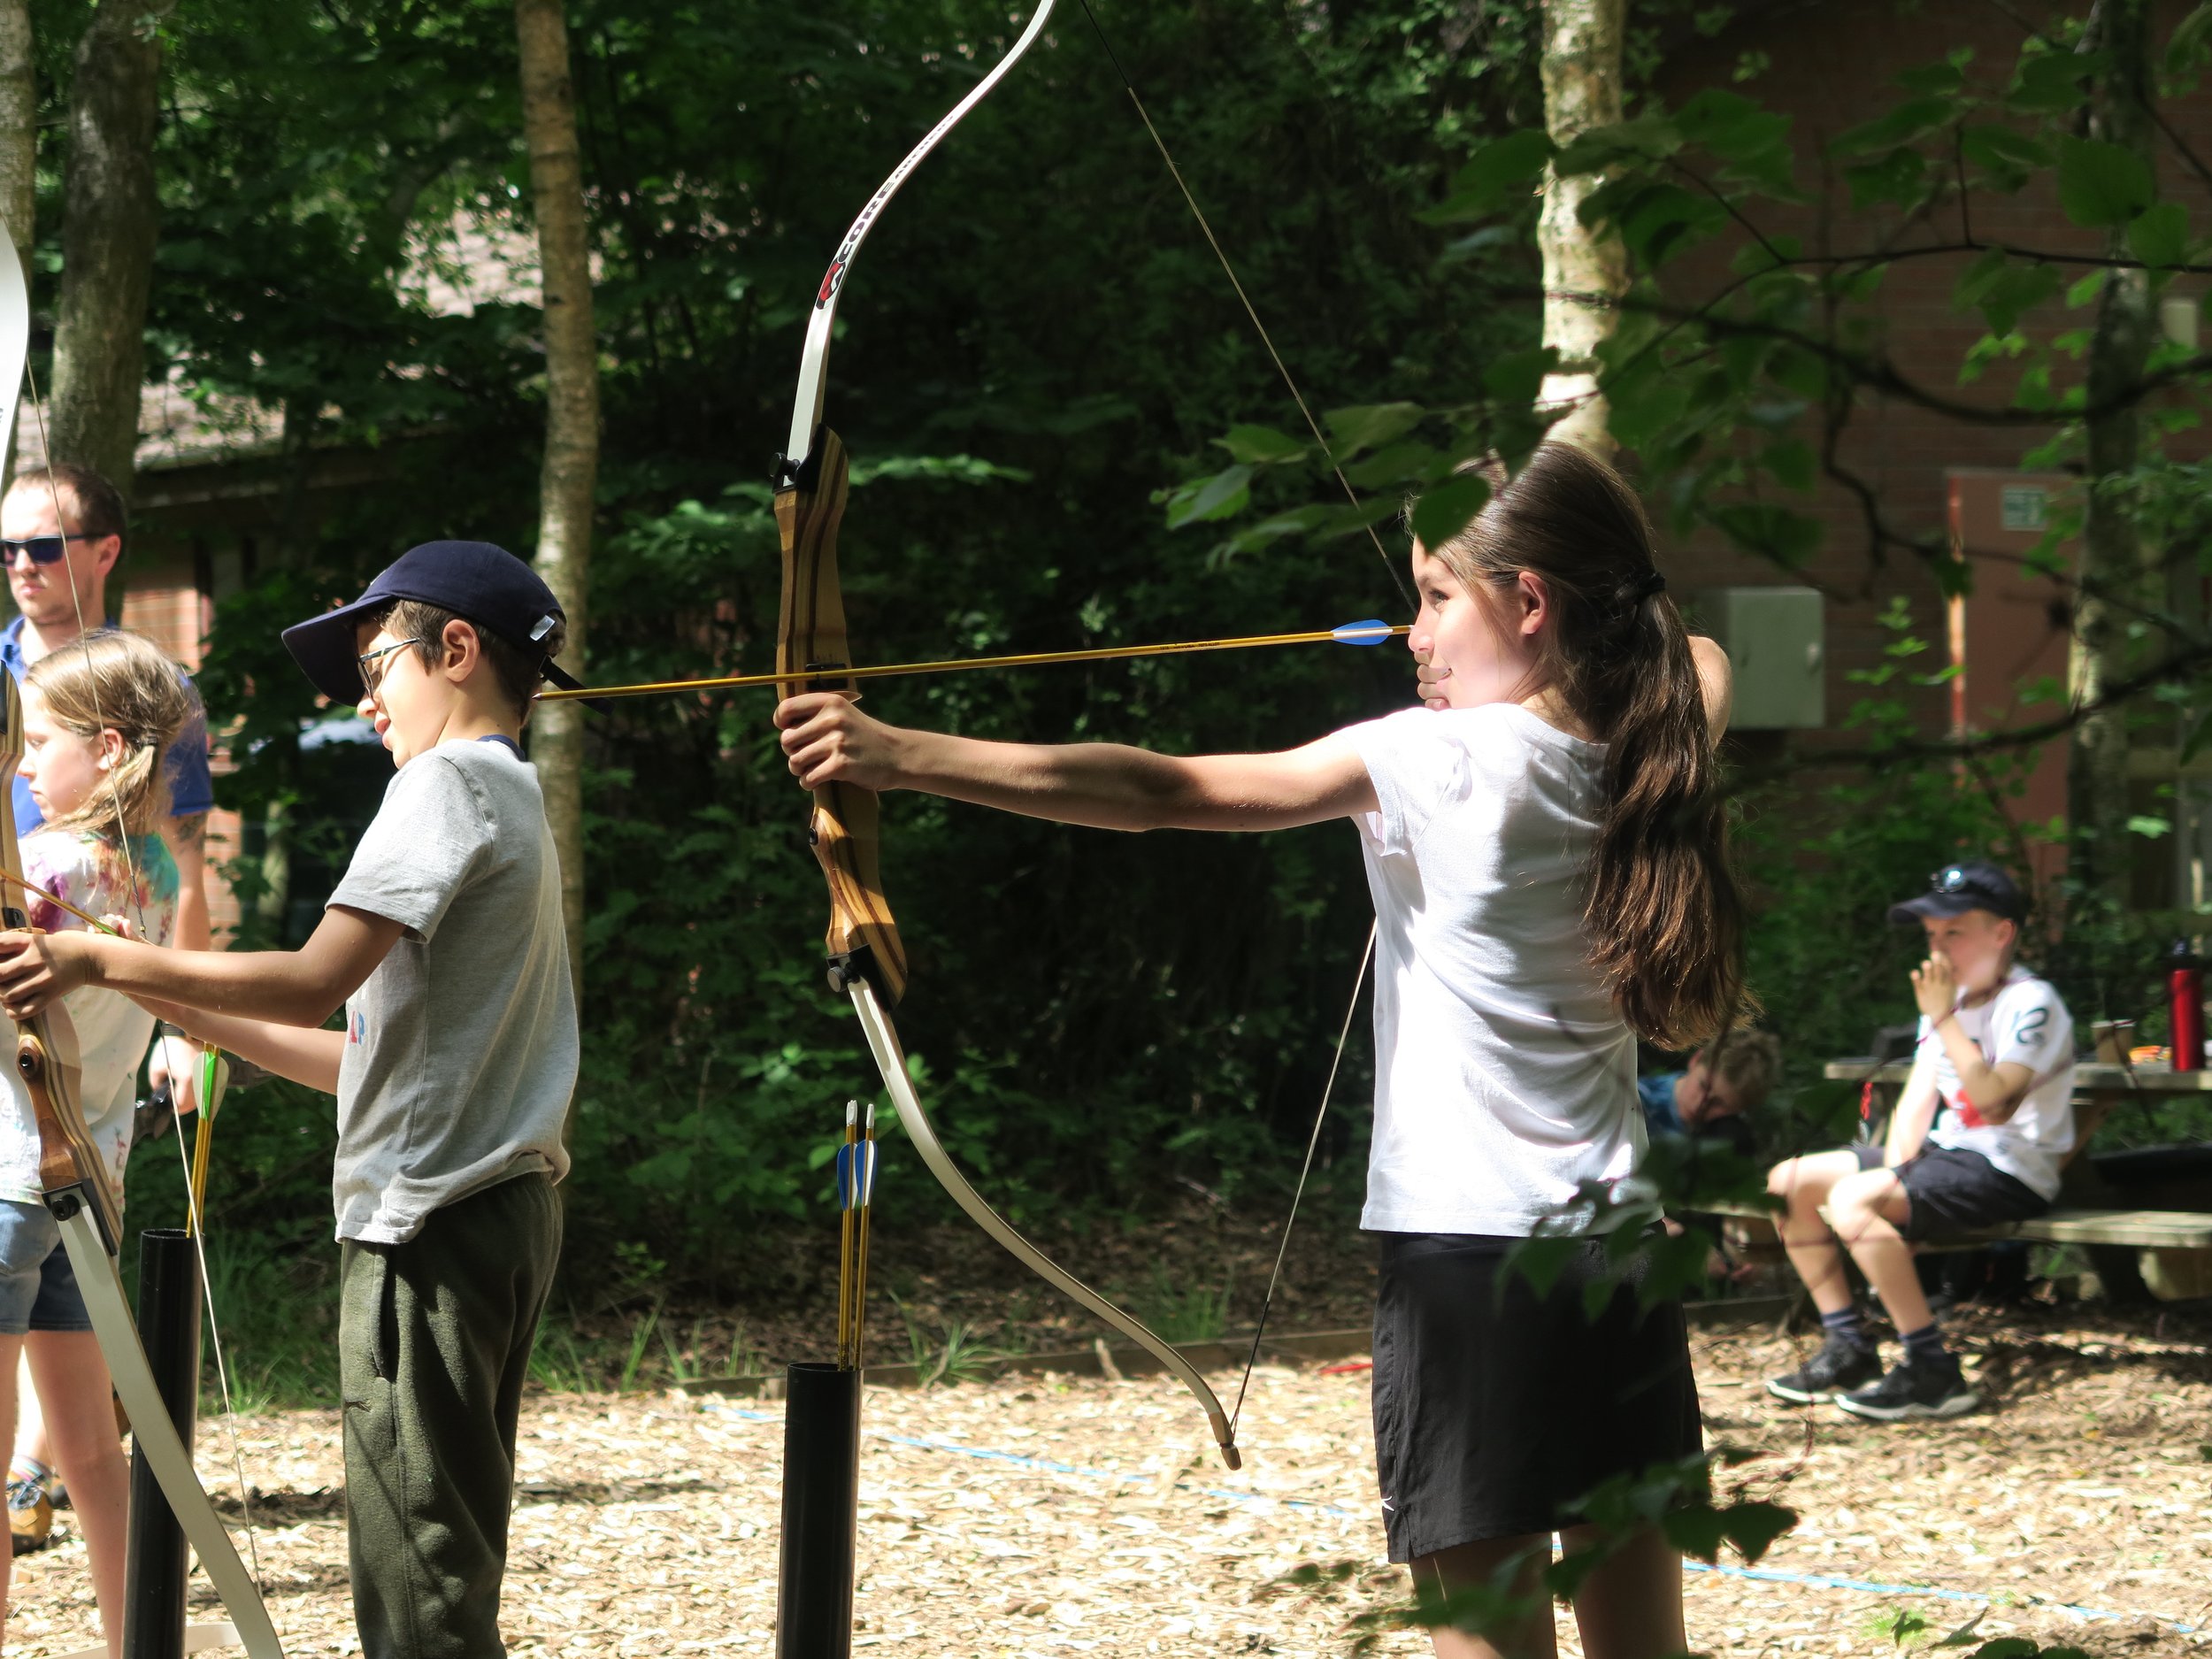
(845, 1178)
(1371, 632)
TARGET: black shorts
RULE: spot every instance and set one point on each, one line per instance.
(1496, 1408)
(1951, 1191)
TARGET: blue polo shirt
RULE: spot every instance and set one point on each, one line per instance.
(191, 786)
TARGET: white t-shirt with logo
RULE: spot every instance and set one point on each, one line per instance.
(1504, 1075)
(2024, 1023)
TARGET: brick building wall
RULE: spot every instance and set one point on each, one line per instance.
(1831, 67)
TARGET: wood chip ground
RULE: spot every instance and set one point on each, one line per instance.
(1041, 1516)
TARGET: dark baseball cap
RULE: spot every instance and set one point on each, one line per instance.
(1972, 884)
(487, 585)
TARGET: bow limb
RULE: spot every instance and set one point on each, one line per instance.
(71, 1172)
(883, 1041)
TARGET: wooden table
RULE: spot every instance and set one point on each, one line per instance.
(2085, 1213)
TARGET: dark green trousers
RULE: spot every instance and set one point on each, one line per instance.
(434, 1346)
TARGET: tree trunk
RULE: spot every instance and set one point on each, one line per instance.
(2112, 579)
(568, 479)
(1582, 90)
(18, 149)
(107, 240)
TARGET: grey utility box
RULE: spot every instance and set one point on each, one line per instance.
(1776, 641)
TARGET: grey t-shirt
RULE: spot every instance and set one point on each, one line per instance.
(461, 1047)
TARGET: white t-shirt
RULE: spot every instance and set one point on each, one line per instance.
(461, 1047)
(2024, 1023)
(1504, 1074)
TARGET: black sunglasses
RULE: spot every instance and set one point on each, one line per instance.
(43, 549)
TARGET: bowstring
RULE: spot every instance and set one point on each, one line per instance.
(1397, 580)
(1313, 1141)
(130, 869)
(1290, 382)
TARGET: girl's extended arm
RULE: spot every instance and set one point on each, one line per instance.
(1106, 786)
(301, 987)
(306, 1057)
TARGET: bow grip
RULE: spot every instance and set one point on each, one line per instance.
(863, 940)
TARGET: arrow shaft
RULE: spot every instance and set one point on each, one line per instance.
(961, 664)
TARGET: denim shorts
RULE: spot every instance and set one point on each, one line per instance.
(38, 1287)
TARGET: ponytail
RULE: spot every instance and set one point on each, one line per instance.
(1662, 912)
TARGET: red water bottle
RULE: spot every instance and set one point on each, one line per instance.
(2185, 993)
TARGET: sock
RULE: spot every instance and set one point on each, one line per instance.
(1845, 1326)
(1925, 1345)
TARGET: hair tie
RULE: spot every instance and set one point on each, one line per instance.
(1649, 584)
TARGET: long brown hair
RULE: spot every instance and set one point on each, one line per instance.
(1662, 909)
(116, 681)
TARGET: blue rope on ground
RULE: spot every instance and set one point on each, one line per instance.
(1761, 1575)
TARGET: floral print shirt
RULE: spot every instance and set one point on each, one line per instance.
(112, 1034)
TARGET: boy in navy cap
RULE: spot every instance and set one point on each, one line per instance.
(449, 1113)
(1981, 1129)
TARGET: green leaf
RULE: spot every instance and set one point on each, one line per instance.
(1657, 220)
(1942, 80)
(2150, 828)
(1900, 126)
(2101, 185)
(1646, 138)
(1776, 533)
(1792, 463)
(1369, 426)
(2052, 83)
(1751, 143)
(1500, 170)
(1752, 1527)
(2084, 289)
(2159, 234)
(2190, 46)
(1223, 495)
(1262, 446)
(1516, 377)
(1444, 511)
(2002, 288)
(1393, 464)
(1897, 177)
(2001, 150)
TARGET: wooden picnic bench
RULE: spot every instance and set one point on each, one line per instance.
(2089, 1212)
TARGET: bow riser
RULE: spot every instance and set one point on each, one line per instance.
(863, 940)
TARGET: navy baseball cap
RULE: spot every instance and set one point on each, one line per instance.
(1971, 884)
(486, 584)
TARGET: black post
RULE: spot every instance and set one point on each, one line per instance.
(169, 1325)
(821, 1504)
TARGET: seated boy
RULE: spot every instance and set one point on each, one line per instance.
(444, 944)
(1993, 1069)
(1724, 1080)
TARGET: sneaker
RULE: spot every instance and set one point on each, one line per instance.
(1935, 1389)
(30, 1516)
(1840, 1365)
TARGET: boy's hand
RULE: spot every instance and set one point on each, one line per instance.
(37, 968)
(1935, 986)
(828, 741)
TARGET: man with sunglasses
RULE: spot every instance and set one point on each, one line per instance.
(61, 531)
(1983, 1124)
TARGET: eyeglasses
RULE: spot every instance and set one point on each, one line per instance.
(43, 549)
(370, 663)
